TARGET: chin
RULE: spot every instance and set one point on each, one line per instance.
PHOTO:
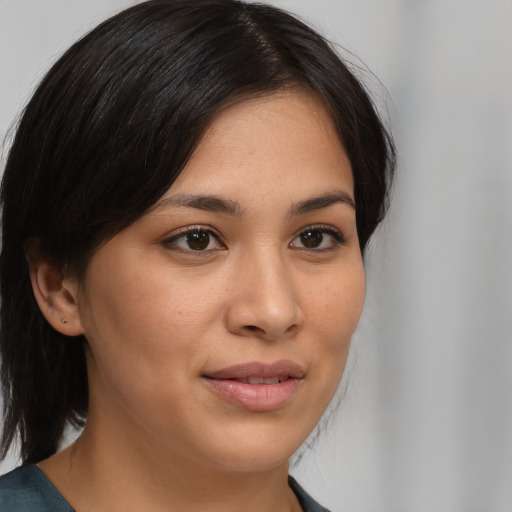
(253, 461)
(257, 449)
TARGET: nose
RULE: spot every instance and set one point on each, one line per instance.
(264, 303)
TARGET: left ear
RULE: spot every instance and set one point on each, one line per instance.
(56, 294)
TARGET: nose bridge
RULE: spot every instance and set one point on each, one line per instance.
(266, 301)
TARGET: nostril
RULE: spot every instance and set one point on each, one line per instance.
(259, 331)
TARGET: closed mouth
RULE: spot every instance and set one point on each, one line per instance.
(262, 380)
(257, 387)
(259, 373)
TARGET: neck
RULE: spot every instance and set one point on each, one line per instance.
(117, 472)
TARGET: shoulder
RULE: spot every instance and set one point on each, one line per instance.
(26, 489)
(307, 503)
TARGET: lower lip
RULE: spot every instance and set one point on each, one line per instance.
(256, 397)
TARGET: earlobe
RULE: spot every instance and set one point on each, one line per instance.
(56, 295)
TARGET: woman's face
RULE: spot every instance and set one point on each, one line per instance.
(219, 323)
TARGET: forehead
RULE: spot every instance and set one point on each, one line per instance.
(286, 141)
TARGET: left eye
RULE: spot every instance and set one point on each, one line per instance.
(318, 239)
(197, 240)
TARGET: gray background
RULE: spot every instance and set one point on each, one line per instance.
(426, 421)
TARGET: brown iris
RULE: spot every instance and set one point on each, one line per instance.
(198, 240)
(311, 238)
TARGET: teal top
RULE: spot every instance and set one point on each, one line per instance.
(27, 489)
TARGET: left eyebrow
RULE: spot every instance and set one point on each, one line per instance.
(320, 202)
(209, 203)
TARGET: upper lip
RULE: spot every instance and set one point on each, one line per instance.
(258, 369)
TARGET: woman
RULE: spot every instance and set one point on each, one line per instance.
(186, 204)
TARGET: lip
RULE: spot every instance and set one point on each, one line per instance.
(283, 379)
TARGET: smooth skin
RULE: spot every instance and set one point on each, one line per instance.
(251, 255)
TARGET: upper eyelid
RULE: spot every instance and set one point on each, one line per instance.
(336, 233)
(320, 227)
(187, 229)
(173, 239)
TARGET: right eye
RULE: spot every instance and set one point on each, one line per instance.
(194, 240)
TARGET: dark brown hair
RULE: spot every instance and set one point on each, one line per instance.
(104, 136)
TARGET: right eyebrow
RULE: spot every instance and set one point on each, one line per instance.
(209, 203)
(323, 201)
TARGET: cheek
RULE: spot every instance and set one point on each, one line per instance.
(145, 326)
(131, 295)
(143, 343)
(334, 314)
(337, 307)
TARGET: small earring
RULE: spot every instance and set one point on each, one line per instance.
(63, 320)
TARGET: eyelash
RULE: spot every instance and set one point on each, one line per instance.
(190, 230)
(337, 241)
